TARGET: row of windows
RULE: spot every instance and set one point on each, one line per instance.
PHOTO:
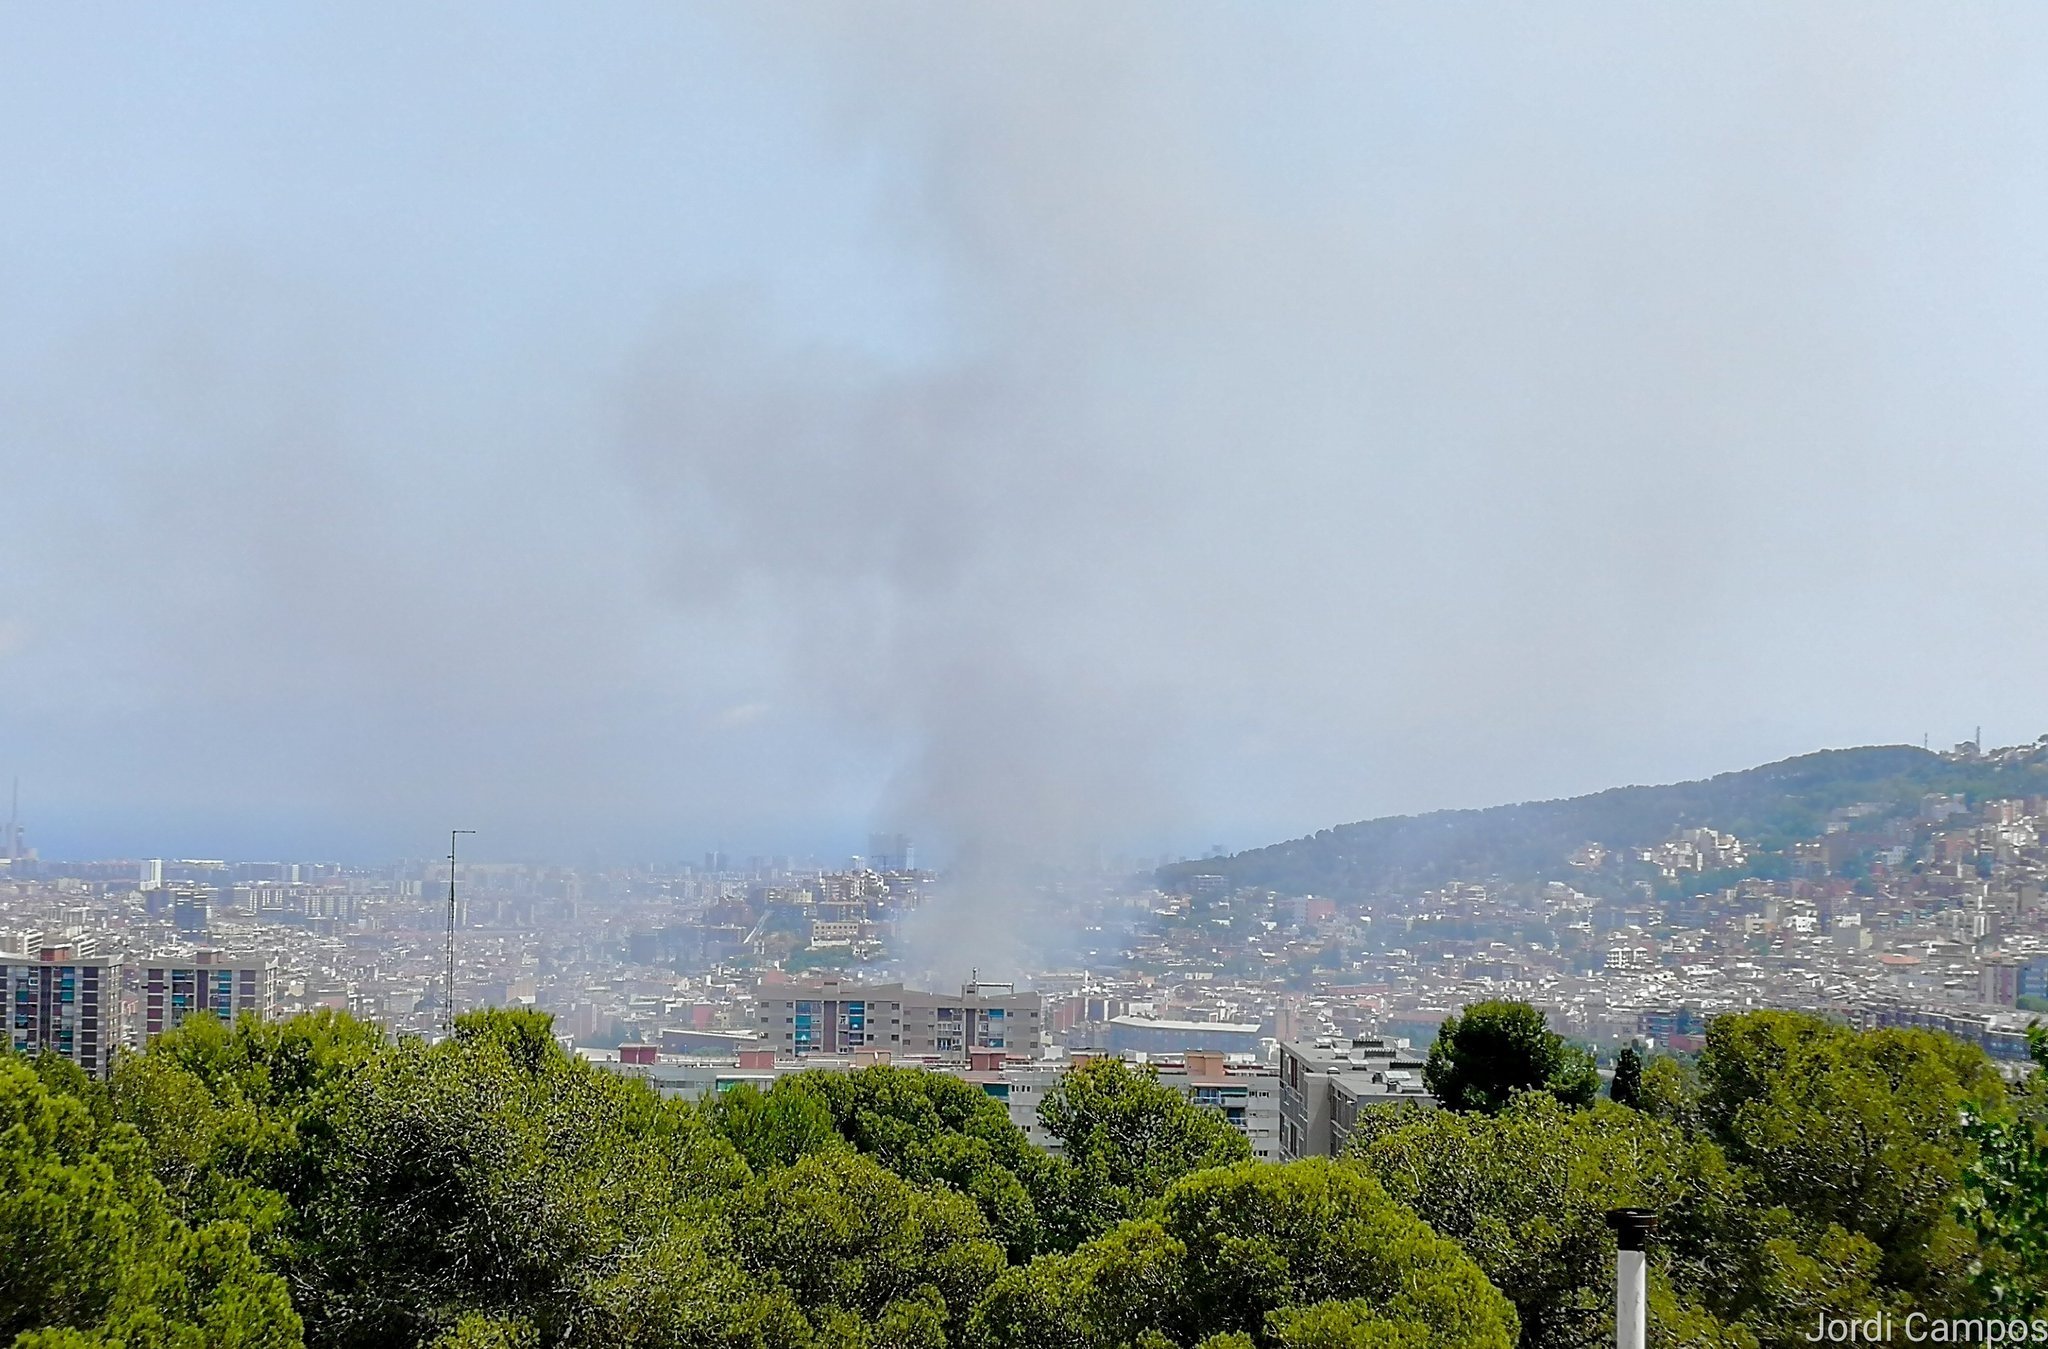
(943, 1013)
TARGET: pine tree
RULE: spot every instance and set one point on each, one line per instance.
(1627, 1087)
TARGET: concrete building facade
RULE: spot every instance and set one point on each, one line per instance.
(64, 999)
(1326, 1083)
(204, 981)
(833, 1016)
(1245, 1094)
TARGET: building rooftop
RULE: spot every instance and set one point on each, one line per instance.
(1163, 1023)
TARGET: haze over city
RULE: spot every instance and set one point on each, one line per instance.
(1023, 676)
(1036, 431)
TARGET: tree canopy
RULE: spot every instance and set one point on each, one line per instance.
(1492, 1050)
(1245, 1250)
(91, 1252)
(2005, 1190)
(1627, 1086)
(311, 1183)
(1125, 1137)
(1801, 1168)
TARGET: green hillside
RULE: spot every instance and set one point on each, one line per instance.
(1770, 807)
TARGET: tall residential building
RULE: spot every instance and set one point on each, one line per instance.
(836, 1017)
(212, 982)
(65, 999)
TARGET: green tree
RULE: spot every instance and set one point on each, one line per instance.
(526, 1034)
(1493, 1050)
(1126, 1137)
(61, 1077)
(490, 1173)
(2005, 1193)
(231, 1113)
(90, 1252)
(474, 1330)
(1232, 1250)
(930, 1128)
(1106, 1293)
(675, 1290)
(1352, 1324)
(1670, 1091)
(1627, 1086)
(773, 1128)
(1861, 1130)
(493, 1191)
(849, 1239)
(2006, 1202)
(1526, 1193)
(69, 1220)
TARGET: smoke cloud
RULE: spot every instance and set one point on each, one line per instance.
(1041, 430)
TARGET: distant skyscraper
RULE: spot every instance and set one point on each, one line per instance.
(62, 999)
(891, 852)
(152, 877)
(11, 848)
(192, 912)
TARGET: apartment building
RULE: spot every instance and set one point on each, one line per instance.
(1326, 1083)
(62, 997)
(1247, 1095)
(204, 981)
(833, 1016)
(2002, 1035)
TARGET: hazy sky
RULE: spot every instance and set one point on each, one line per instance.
(643, 429)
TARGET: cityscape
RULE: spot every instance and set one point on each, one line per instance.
(695, 977)
(1053, 676)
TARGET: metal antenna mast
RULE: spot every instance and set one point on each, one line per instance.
(448, 1007)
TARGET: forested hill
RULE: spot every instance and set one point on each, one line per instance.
(1768, 807)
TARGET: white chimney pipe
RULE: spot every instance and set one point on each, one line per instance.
(1632, 1229)
(1631, 1300)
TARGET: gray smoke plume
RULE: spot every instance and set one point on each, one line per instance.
(1033, 428)
(1344, 428)
(925, 552)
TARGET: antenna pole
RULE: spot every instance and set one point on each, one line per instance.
(448, 1006)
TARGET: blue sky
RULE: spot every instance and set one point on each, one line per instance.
(648, 428)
